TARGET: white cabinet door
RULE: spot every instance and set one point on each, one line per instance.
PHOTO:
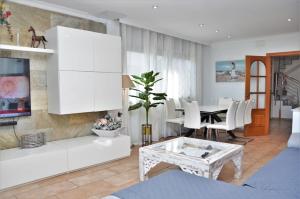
(107, 54)
(76, 92)
(108, 91)
(75, 48)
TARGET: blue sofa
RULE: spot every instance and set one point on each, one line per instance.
(282, 174)
(279, 179)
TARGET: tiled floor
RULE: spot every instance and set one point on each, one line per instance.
(99, 181)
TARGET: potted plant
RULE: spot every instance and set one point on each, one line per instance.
(147, 99)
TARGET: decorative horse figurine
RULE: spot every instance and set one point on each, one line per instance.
(36, 38)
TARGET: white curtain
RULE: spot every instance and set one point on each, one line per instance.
(176, 60)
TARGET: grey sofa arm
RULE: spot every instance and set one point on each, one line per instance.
(294, 140)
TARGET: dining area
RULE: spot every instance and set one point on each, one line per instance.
(190, 118)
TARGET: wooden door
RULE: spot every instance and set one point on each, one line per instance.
(258, 88)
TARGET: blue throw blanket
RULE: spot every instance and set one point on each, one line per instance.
(282, 174)
(180, 185)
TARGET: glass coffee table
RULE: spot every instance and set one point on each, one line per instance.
(199, 157)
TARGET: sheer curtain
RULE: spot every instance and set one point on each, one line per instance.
(176, 60)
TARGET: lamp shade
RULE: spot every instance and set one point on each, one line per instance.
(126, 82)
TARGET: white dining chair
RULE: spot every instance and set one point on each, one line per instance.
(192, 117)
(171, 115)
(227, 125)
(248, 112)
(224, 101)
(182, 101)
(240, 114)
(243, 117)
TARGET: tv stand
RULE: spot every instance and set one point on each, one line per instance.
(8, 123)
(18, 166)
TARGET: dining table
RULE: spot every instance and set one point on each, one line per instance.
(209, 114)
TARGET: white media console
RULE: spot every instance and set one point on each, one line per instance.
(18, 166)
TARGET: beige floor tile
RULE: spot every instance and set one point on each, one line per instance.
(46, 191)
(98, 187)
(92, 177)
(53, 180)
(96, 197)
(120, 180)
(73, 194)
(19, 189)
(123, 167)
(6, 194)
(78, 173)
(52, 197)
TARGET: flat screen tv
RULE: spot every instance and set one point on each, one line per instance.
(14, 87)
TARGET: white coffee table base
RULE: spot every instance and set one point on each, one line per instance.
(148, 160)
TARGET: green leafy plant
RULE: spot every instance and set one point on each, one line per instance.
(147, 98)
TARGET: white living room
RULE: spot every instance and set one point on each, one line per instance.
(149, 99)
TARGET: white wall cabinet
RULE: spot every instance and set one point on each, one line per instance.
(75, 49)
(84, 75)
(108, 54)
(76, 92)
(107, 83)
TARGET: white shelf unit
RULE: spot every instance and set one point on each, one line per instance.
(84, 73)
(25, 49)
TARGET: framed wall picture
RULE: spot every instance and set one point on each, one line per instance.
(230, 71)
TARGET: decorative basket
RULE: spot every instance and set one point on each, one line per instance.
(107, 133)
(32, 140)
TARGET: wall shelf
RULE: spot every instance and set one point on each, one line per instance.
(26, 49)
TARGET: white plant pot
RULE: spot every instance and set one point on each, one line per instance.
(107, 133)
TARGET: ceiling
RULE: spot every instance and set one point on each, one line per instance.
(236, 19)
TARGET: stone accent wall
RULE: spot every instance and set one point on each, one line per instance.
(55, 126)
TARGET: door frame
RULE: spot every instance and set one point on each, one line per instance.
(268, 63)
(281, 54)
(284, 54)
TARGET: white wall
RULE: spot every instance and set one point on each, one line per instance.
(234, 50)
(199, 71)
(293, 70)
